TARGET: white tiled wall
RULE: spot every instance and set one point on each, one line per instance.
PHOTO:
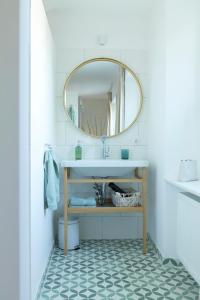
(135, 138)
(115, 226)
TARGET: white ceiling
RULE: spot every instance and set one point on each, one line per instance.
(118, 6)
(77, 23)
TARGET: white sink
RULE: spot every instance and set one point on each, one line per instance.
(105, 163)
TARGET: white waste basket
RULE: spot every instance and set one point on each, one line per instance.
(73, 233)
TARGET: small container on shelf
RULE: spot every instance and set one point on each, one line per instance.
(78, 151)
(127, 199)
(124, 153)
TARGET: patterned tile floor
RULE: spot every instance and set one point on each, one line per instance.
(112, 270)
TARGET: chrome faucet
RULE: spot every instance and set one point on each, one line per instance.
(105, 149)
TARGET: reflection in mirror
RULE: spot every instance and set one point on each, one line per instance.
(102, 97)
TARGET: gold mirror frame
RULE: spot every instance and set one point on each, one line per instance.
(113, 61)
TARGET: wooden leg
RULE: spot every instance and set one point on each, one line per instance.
(135, 172)
(65, 210)
(144, 197)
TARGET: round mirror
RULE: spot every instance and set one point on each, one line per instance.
(103, 97)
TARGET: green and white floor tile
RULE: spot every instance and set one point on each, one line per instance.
(115, 270)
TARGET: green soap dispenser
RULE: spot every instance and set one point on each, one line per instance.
(78, 151)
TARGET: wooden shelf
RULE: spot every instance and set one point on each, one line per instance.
(104, 209)
(141, 174)
(102, 180)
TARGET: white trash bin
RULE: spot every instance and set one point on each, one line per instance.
(73, 233)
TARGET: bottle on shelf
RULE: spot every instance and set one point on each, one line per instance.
(78, 151)
(116, 188)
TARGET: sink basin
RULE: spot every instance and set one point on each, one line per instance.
(104, 163)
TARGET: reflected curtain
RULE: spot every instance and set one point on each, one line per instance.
(120, 102)
(94, 114)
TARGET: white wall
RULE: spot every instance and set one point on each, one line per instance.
(174, 129)
(9, 154)
(156, 123)
(182, 100)
(173, 107)
(24, 155)
(78, 24)
(14, 124)
(182, 83)
(73, 47)
(42, 131)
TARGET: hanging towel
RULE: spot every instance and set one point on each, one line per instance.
(51, 181)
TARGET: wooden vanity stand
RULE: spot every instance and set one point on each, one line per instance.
(140, 176)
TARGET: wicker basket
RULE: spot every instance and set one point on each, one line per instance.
(130, 198)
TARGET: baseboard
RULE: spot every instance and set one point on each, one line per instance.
(165, 260)
(45, 272)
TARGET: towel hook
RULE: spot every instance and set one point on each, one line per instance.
(48, 146)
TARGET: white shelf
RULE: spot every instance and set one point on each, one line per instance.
(192, 187)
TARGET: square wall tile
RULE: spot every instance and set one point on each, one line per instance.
(60, 133)
(97, 52)
(143, 117)
(140, 152)
(137, 60)
(61, 116)
(60, 82)
(142, 137)
(114, 152)
(65, 152)
(130, 215)
(145, 83)
(89, 140)
(73, 134)
(81, 190)
(119, 227)
(90, 227)
(91, 152)
(140, 227)
(126, 138)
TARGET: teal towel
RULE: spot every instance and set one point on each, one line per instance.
(76, 206)
(51, 181)
(78, 201)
